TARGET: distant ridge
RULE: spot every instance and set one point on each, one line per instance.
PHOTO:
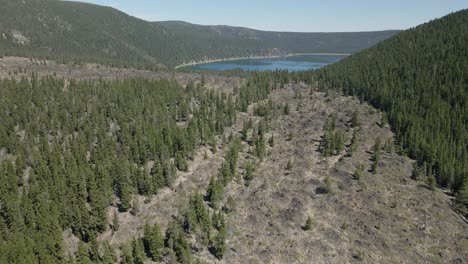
(80, 32)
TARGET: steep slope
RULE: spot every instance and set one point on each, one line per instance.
(86, 32)
(86, 170)
(420, 79)
(381, 217)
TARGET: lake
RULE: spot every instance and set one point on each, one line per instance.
(291, 63)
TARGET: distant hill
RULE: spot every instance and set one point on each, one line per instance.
(76, 31)
(420, 79)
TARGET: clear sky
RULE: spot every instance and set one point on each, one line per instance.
(292, 15)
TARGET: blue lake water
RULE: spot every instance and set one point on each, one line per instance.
(291, 63)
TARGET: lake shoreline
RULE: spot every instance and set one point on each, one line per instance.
(257, 57)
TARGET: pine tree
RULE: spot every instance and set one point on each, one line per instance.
(94, 250)
(138, 251)
(355, 121)
(353, 146)
(244, 131)
(127, 255)
(214, 192)
(157, 177)
(175, 240)
(289, 166)
(248, 173)
(108, 255)
(230, 205)
(308, 224)
(135, 206)
(358, 172)
(375, 156)
(219, 244)
(124, 187)
(153, 241)
(115, 222)
(431, 182)
(462, 198)
(260, 145)
(82, 255)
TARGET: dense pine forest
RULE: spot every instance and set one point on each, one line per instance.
(419, 78)
(182, 167)
(70, 149)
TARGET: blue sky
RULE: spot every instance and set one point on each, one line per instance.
(292, 15)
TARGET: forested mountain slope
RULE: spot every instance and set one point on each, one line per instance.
(269, 171)
(267, 42)
(76, 31)
(419, 78)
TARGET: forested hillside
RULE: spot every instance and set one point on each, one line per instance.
(419, 78)
(71, 149)
(79, 32)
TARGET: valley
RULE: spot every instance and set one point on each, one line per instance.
(134, 142)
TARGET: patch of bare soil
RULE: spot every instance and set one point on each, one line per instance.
(382, 218)
(17, 67)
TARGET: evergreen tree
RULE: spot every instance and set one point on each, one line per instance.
(82, 255)
(108, 255)
(115, 222)
(462, 199)
(230, 205)
(138, 251)
(358, 172)
(154, 241)
(289, 166)
(219, 244)
(176, 240)
(308, 224)
(215, 192)
(135, 206)
(355, 122)
(354, 142)
(127, 255)
(375, 156)
(248, 173)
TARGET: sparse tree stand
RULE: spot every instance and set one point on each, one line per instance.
(333, 138)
